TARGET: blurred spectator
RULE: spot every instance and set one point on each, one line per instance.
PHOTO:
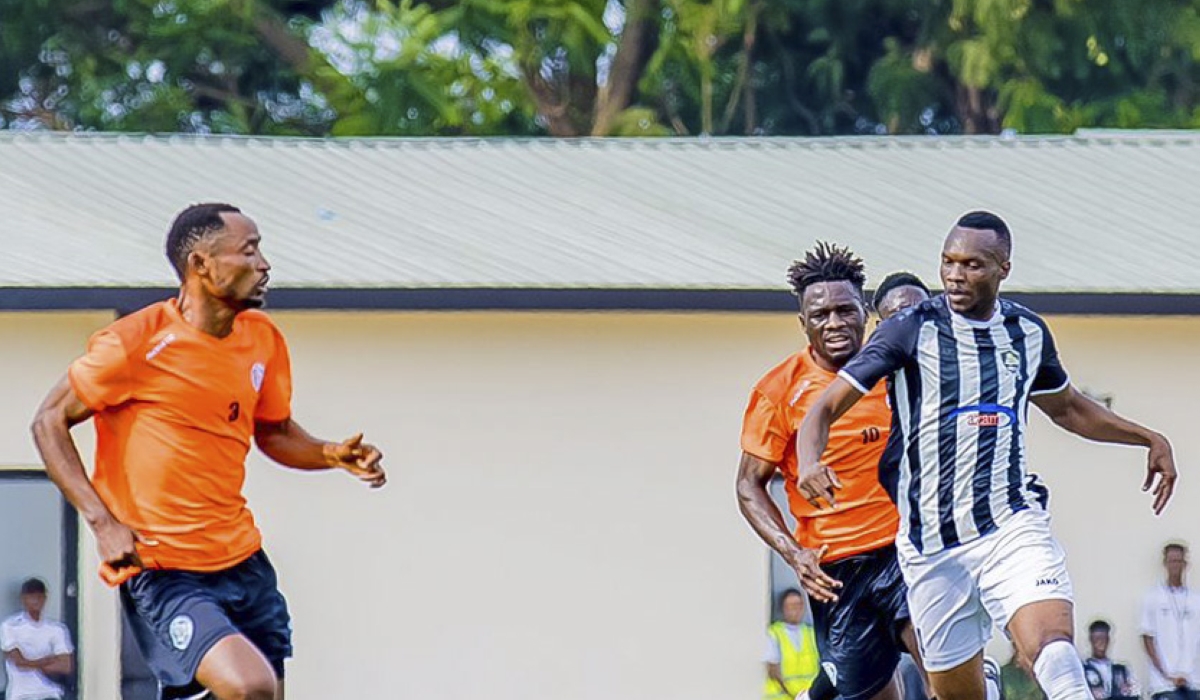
(1017, 682)
(1105, 678)
(791, 658)
(1171, 630)
(36, 650)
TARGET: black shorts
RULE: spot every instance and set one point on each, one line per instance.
(858, 636)
(177, 616)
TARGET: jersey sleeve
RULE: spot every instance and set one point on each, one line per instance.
(7, 640)
(765, 430)
(61, 644)
(102, 377)
(1051, 378)
(772, 654)
(1149, 607)
(275, 399)
(885, 352)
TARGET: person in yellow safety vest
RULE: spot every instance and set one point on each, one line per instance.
(792, 659)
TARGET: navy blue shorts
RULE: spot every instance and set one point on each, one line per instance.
(177, 616)
(859, 635)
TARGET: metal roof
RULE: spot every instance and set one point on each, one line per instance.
(1089, 214)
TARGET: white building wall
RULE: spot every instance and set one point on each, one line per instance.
(561, 521)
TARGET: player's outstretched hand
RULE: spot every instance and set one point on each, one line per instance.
(359, 458)
(817, 583)
(818, 482)
(1161, 462)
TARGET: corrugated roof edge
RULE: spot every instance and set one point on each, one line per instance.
(1088, 138)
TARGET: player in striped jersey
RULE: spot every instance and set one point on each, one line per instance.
(975, 545)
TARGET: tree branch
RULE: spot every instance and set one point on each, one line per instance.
(550, 105)
(633, 51)
(274, 32)
(742, 85)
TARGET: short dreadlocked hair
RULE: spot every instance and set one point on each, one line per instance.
(190, 227)
(827, 262)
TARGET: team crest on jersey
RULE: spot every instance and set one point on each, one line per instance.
(257, 373)
(1011, 360)
(181, 630)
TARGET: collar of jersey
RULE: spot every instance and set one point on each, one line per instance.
(177, 316)
(995, 318)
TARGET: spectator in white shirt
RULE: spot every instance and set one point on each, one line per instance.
(1105, 678)
(36, 650)
(1171, 631)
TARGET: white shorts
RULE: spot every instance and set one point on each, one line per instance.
(954, 596)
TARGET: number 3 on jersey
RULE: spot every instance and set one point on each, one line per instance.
(235, 410)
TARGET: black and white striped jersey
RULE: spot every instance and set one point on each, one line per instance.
(960, 395)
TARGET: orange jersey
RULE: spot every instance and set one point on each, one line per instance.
(865, 517)
(175, 410)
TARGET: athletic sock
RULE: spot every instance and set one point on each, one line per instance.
(992, 689)
(1060, 672)
(993, 685)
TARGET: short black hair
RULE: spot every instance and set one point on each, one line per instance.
(987, 221)
(190, 226)
(1099, 626)
(1181, 547)
(33, 585)
(893, 281)
(828, 262)
(788, 594)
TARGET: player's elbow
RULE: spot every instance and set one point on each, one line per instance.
(48, 422)
(746, 489)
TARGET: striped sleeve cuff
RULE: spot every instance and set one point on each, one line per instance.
(1045, 392)
(853, 382)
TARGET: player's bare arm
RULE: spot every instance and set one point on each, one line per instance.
(60, 411)
(763, 515)
(1076, 413)
(291, 445)
(817, 481)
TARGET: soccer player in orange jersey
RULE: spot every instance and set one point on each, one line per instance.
(850, 549)
(178, 390)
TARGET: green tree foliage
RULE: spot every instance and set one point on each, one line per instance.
(598, 67)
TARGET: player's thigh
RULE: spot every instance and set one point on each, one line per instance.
(951, 623)
(258, 609)
(962, 682)
(175, 620)
(857, 634)
(1025, 584)
(234, 669)
(857, 652)
(908, 638)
